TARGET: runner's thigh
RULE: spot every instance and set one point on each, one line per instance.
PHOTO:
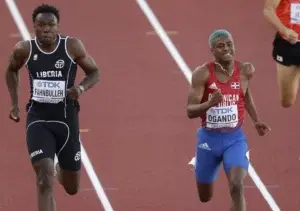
(40, 140)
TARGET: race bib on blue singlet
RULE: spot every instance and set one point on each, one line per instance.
(222, 117)
(45, 91)
(295, 13)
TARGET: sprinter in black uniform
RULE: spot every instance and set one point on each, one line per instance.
(52, 112)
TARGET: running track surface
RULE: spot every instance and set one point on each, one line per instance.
(140, 139)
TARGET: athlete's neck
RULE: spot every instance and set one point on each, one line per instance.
(48, 47)
(226, 66)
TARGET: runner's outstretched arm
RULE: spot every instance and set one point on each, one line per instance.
(250, 105)
(86, 62)
(270, 15)
(16, 61)
(249, 102)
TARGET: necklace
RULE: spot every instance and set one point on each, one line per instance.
(224, 70)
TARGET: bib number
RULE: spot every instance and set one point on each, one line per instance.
(45, 91)
(222, 117)
(295, 13)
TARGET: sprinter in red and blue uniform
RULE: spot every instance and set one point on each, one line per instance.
(219, 95)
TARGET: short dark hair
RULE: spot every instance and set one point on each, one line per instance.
(45, 8)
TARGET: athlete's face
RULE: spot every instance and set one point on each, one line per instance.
(223, 50)
(46, 28)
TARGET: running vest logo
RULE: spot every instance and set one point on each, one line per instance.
(35, 153)
(49, 74)
(295, 13)
(45, 91)
(213, 86)
(222, 117)
(59, 64)
(77, 156)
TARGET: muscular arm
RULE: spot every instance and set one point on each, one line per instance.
(270, 14)
(16, 61)
(79, 54)
(249, 102)
(194, 107)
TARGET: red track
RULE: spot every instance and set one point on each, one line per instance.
(141, 140)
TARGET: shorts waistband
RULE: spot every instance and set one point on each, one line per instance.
(223, 132)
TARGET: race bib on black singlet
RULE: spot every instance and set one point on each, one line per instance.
(45, 91)
(295, 13)
(222, 117)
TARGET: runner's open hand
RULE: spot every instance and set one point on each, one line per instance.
(261, 128)
(216, 98)
(14, 113)
(74, 92)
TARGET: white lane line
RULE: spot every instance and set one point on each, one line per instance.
(188, 74)
(85, 159)
(95, 181)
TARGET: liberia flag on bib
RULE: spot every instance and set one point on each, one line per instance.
(235, 85)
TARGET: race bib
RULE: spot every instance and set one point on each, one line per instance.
(222, 117)
(295, 13)
(45, 91)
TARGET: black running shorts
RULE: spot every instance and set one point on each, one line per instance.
(286, 53)
(48, 135)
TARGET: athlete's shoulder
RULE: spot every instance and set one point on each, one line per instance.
(75, 47)
(74, 44)
(200, 73)
(23, 45)
(66, 36)
(247, 69)
(22, 48)
(72, 40)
